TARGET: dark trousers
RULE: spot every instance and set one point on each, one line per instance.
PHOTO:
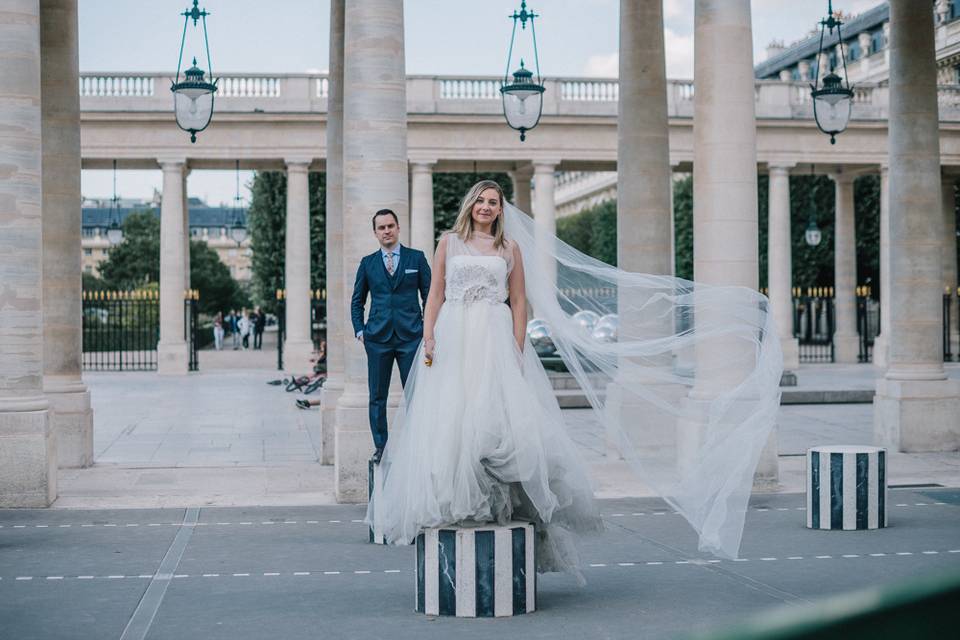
(257, 339)
(380, 359)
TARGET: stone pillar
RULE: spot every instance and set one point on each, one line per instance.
(725, 214)
(949, 257)
(71, 416)
(374, 177)
(421, 208)
(522, 195)
(297, 343)
(338, 311)
(780, 267)
(172, 356)
(916, 406)
(846, 340)
(28, 455)
(643, 146)
(545, 212)
(186, 231)
(880, 350)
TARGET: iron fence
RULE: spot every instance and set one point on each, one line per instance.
(814, 323)
(950, 299)
(318, 320)
(190, 327)
(868, 323)
(120, 330)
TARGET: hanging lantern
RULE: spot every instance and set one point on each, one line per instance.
(114, 231)
(812, 235)
(523, 98)
(238, 231)
(832, 97)
(193, 96)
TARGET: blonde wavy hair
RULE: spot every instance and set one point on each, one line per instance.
(463, 226)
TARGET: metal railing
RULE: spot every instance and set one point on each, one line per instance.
(190, 327)
(814, 323)
(318, 320)
(868, 323)
(951, 299)
(120, 330)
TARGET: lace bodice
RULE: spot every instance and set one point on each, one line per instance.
(473, 274)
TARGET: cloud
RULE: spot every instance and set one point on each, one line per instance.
(603, 65)
(677, 8)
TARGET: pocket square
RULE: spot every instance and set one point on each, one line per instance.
(410, 271)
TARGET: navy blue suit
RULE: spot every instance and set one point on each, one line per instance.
(394, 326)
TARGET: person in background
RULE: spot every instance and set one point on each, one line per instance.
(243, 327)
(259, 324)
(218, 331)
(233, 325)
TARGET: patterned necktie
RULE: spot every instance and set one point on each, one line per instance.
(390, 266)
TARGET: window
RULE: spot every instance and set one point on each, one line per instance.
(876, 41)
(88, 252)
(195, 232)
(88, 268)
(88, 232)
(956, 74)
(853, 50)
(795, 74)
(954, 11)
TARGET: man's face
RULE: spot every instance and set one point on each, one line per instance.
(386, 230)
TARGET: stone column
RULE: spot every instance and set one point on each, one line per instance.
(916, 406)
(522, 195)
(846, 340)
(71, 416)
(725, 214)
(338, 311)
(28, 455)
(643, 146)
(297, 343)
(421, 208)
(545, 212)
(186, 231)
(949, 257)
(780, 267)
(172, 357)
(880, 350)
(374, 176)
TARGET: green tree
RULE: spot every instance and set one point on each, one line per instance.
(135, 264)
(135, 261)
(266, 221)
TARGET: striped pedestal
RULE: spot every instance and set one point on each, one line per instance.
(481, 571)
(846, 487)
(375, 486)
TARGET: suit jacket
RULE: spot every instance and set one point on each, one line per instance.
(394, 305)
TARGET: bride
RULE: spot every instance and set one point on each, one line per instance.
(479, 436)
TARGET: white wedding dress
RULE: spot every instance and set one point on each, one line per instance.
(479, 436)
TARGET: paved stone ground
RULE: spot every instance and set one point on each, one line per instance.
(223, 437)
(307, 572)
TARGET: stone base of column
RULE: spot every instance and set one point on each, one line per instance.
(71, 421)
(296, 357)
(846, 349)
(767, 475)
(916, 416)
(28, 459)
(791, 353)
(173, 359)
(352, 449)
(329, 396)
(880, 352)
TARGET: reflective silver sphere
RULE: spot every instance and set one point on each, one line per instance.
(538, 331)
(586, 320)
(606, 328)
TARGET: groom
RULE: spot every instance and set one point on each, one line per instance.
(393, 276)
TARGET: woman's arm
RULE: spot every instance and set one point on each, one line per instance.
(518, 298)
(436, 296)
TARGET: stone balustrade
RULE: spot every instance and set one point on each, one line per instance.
(301, 93)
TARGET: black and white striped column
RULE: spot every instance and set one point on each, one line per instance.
(375, 488)
(846, 487)
(481, 571)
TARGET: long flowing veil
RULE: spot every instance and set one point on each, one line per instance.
(684, 377)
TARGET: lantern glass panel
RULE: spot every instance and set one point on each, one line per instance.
(832, 111)
(115, 235)
(238, 233)
(522, 108)
(193, 113)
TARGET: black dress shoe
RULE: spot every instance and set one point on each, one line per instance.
(377, 455)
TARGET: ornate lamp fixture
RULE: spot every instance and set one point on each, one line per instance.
(114, 231)
(238, 231)
(193, 96)
(522, 98)
(833, 98)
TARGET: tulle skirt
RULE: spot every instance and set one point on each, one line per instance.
(479, 438)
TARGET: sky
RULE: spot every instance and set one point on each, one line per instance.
(469, 37)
